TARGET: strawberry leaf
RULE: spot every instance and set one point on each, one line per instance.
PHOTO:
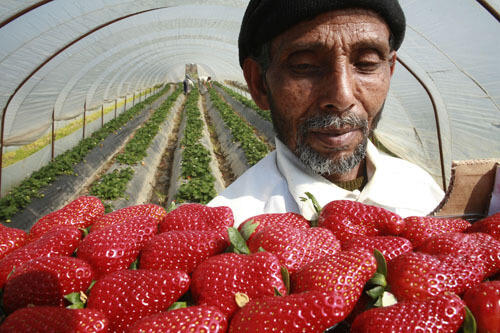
(378, 279)
(381, 263)
(248, 229)
(91, 285)
(177, 305)
(135, 265)
(277, 292)
(237, 241)
(315, 202)
(286, 278)
(75, 300)
(376, 292)
(469, 325)
(171, 207)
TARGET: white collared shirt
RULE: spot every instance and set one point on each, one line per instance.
(278, 182)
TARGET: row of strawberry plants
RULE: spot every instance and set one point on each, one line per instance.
(21, 196)
(265, 114)
(113, 185)
(254, 148)
(198, 183)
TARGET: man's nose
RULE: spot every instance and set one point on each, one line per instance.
(337, 90)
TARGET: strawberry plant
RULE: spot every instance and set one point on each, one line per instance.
(21, 196)
(135, 150)
(265, 114)
(198, 183)
(112, 185)
(254, 148)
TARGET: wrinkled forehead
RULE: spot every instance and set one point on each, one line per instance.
(357, 26)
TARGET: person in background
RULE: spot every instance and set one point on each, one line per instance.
(323, 68)
(185, 85)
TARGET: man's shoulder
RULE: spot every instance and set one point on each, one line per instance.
(257, 181)
(399, 167)
(260, 189)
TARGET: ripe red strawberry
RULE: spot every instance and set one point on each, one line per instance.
(312, 311)
(217, 280)
(44, 319)
(389, 246)
(347, 219)
(11, 239)
(484, 302)
(489, 225)
(420, 228)
(124, 214)
(181, 250)
(345, 272)
(208, 319)
(80, 213)
(60, 241)
(485, 247)
(116, 247)
(444, 313)
(45, 281)
(129, 295)
(419, 276)
(254, 224)
(295, 247)
(194, 216)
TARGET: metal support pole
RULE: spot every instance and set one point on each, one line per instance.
(125, 107)
(53, 135)
(133, 100)
(116, 102)
(102, 115)
(84, 117)
(1, 165)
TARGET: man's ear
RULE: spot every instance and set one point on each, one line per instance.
(255, 82)
(393, 62)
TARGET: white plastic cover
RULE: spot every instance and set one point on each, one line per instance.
(57, 56)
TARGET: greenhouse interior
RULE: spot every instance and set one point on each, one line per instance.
(145, 102)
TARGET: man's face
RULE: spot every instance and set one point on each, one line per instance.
(326, 83)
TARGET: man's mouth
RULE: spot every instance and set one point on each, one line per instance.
(334, 138)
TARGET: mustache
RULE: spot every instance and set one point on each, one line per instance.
(350, 119)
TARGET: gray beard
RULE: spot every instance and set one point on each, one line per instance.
(324, 165)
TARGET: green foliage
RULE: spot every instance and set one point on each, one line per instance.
(195, 165)
(265, 114)
(31, 187)
(135, 150)
(253, 147)
(112, 186)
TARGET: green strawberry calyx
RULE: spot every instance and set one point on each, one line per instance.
(469, 325)
(377, 285)
(316, 206)
(249, 228)
(177, 305)
(77, 300)
(238, 243)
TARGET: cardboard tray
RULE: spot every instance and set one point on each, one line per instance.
(469, 192)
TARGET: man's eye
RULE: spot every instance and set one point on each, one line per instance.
(368, 66)
(303, 67)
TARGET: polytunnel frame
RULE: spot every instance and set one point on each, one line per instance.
(485, 3)
(55, 54)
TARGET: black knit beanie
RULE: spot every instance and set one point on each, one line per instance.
(266, 19)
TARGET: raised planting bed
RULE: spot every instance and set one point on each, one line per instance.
(129, 181)
(247, 109)
(59, 182)
(195, 176)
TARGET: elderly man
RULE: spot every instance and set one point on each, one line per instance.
(323, 68)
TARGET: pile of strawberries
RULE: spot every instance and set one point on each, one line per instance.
(358, 268)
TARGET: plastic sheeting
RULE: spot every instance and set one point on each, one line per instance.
(60, 55)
